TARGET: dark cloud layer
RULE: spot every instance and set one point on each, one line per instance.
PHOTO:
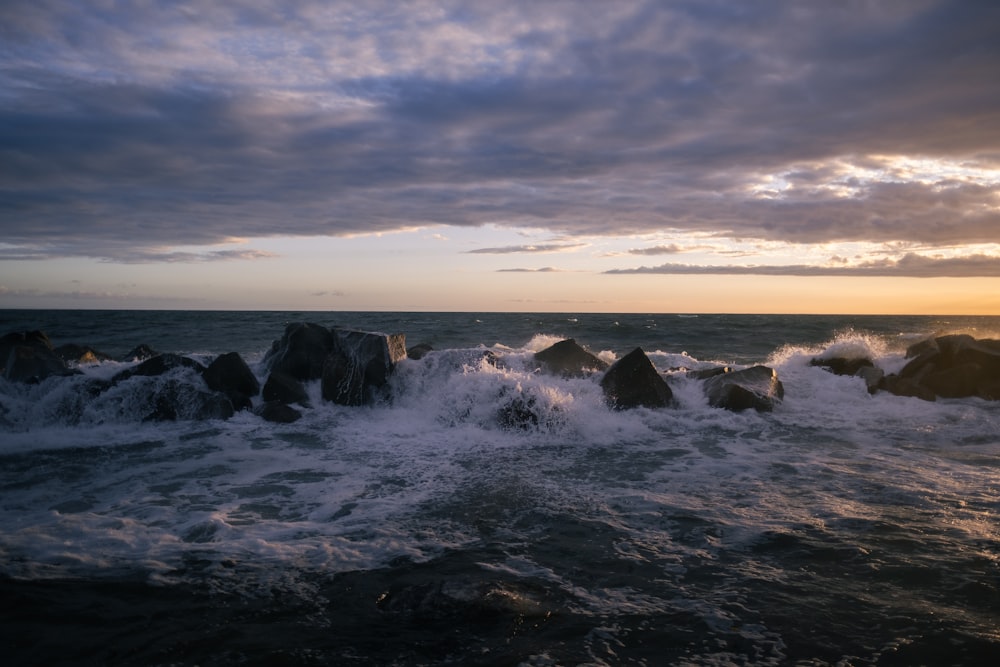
(910, 265)
(160, 124)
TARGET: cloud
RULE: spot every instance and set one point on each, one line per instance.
(530, 248)
(134, 255)
(910, 265)
(671, 249)
(164, 124)
(544, 269)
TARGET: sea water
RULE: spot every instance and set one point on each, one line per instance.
(841, 528)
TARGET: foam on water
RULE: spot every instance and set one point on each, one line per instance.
(672, 513)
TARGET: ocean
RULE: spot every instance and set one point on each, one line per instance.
(842, 528)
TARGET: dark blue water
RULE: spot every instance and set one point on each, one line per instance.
(842, 528)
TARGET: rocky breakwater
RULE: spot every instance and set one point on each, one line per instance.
(353, 367)
(950, 366)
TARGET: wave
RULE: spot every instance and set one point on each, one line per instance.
(496, 388)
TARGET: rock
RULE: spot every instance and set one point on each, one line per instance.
(301, 351)
(343, 381)
(419, 351)
(843, 365)
(902, 386)
(140, 352)
(71, 353)
(706, 373)
(283, 388)
(952, 366)
(872, 377)
(28, 357)
(633, 382)
(229, 374)
(757, 387)
(358, 368)
(177, 400)
(920, 347)
(958, 381)
(158, 365)
(277, 412)
(568, 359)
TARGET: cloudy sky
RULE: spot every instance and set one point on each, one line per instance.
(688, 156)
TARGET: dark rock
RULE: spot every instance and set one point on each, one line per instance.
(419, 351)
(963, 349)
(757, 387)
(377, 353)
(903, 386)
(158, 365)
(568, 359)
(872, 376)
(952, 366)
(843, 365)
(71, 353)
(633, 382)
(140, 352)
(301, 351)
(358, 369)
(283, 388)
(958, 381)
(28, 357)
(229, 374)
(920, 347)
(706, 373)
(343, 381)
(277, 412)
(920, 365)
(176, 401)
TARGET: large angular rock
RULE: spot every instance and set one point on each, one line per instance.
(301, 351)
(633, 382)
(568, 359)
(952, 366)
(28, 357)
(357, 370)
(229, 374)
(755, 388)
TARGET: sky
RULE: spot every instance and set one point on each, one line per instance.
(584, 156)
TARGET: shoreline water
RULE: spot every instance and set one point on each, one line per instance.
(841, 528)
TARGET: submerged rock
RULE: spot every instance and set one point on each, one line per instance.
(140, 352)
(757, 387)
(568, 359)
(633, 382)
(159, 365)
(179, 401)
(277, 412)
(419, 351)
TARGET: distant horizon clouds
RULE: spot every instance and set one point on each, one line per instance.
(157, 132)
